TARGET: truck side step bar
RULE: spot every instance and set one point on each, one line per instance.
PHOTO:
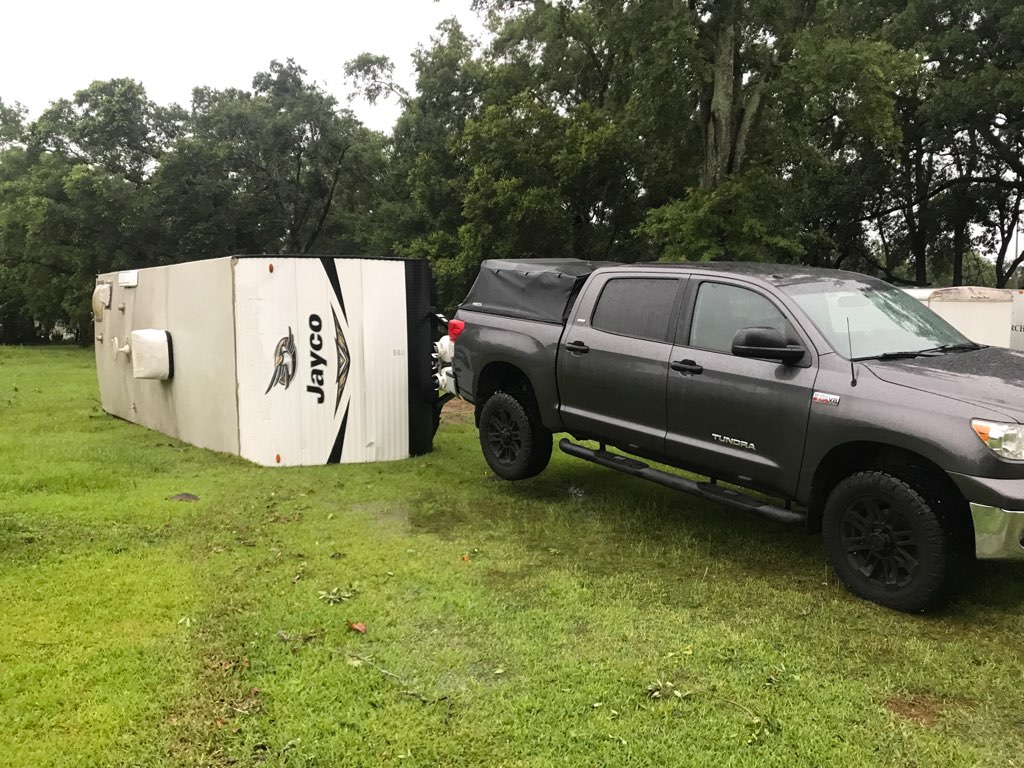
(727, 496)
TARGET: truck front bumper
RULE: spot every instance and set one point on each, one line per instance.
(997, 508)
(998, 532)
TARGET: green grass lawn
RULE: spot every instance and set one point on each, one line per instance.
(506, 624)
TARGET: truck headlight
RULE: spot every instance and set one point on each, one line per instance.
(1006, 440)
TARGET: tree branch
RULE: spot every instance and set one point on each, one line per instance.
(939, 189)
(1005, 153)
(326, 210)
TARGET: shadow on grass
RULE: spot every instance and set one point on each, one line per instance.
(601, 523)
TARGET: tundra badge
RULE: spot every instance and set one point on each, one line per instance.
(734, 442)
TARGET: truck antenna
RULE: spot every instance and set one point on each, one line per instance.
(849, 340)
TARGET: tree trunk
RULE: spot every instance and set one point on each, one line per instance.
(719, 127)
(1008, 226)
(960, 239)
(918, 242)
(733, 100)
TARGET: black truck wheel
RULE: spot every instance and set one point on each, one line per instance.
(887, 542)
(515, 443)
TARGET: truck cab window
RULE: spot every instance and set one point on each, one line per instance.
(722, 309)
(636, 307)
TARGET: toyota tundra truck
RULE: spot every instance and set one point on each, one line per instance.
(858, 411)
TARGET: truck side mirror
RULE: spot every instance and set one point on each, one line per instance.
(767, 343)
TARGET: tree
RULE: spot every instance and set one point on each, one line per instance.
(746, 45)
(286, 145)
(962, 124)
(12, 124)
(419, 210)
(111, 124)
(108, 180)
(1002, 234)
(61, 223)
(71, 195)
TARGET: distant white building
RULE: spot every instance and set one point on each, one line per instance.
(993, 316)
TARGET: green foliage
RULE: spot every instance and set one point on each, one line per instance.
(738, 221)
(373, 76)
(429, 173)
(512, 199)
(884, 137)
(287, 148)
(111, 124)
(109, 180)
(60, 223)
(12, 124)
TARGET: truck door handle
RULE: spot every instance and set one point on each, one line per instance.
(578, 347)
(687, 366)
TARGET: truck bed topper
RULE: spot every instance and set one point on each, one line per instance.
(530, 289)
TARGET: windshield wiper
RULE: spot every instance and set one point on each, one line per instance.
(891, 356)
(968, 346)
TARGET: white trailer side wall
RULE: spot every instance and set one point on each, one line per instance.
(1017, 321)
(194, 301)
(380, 417)
(981, 314)
(345, 398)
(984, 315)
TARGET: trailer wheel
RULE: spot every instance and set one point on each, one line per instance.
(514, 442)
(888, 542)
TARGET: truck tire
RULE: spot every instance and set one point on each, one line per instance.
(887, 542)
(514, 442)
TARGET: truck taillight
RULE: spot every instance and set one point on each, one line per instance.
(455, 327)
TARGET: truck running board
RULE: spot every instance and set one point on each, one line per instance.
(726, 496)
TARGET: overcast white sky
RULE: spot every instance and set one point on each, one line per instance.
(50, 50)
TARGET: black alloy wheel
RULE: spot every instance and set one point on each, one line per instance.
(515, 443)
(504, 436)
(887, 541)
(878, 538)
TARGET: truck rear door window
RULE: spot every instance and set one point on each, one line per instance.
(722, 309)
(636, 307)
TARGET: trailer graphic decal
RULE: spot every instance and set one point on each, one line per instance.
(284, 362)
(331, 270)
(339, 441)
(344, 361)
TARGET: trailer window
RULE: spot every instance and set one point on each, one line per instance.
(636, 307)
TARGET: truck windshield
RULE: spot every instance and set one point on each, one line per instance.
(883, 320)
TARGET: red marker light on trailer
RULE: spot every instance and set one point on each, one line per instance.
(455, 327)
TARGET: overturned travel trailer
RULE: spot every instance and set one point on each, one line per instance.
(282, 360)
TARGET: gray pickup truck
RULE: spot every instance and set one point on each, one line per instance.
(865, 415)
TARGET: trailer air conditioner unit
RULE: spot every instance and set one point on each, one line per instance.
(282, 360)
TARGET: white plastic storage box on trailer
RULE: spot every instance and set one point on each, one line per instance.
(282, 360)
